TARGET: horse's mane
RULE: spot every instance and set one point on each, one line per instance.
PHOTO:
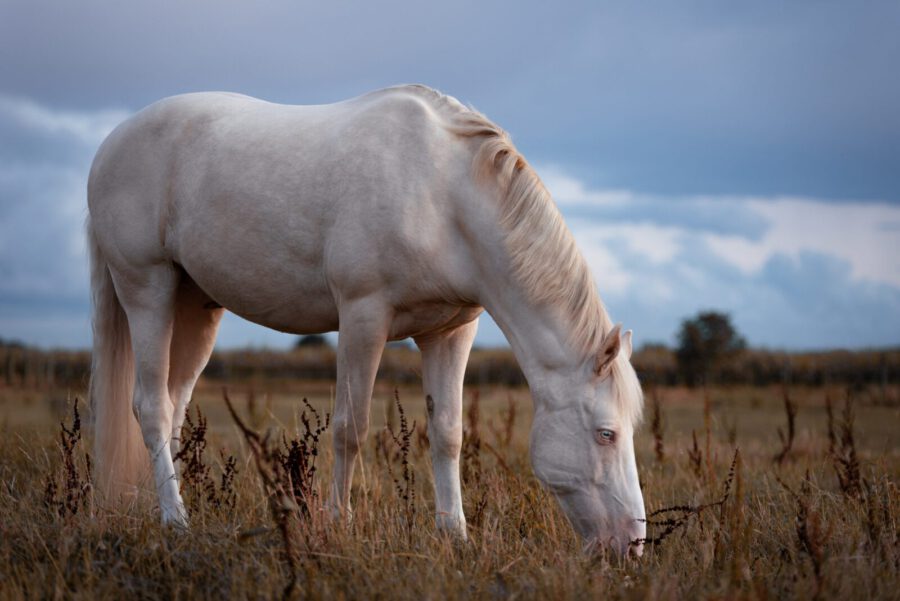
(545, 259)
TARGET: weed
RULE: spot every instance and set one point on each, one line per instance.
(299, 458)
(227, 496)
(742, 538)
(695, 457)
(196, 479)
(76, 482)
(271, 471)
(844, 457)
(681, 514)
(880, 497)
(656, 426)
(812, 536)
(832, 437)
(406, 490)
(787, 441)
(707, 429)
(503, 435)
(471, 445)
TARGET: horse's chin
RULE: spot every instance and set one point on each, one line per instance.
(626, 539)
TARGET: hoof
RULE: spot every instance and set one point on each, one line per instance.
(175, 518)
(336, 513)
(452, 526)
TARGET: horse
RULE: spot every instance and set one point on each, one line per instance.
(399, 213)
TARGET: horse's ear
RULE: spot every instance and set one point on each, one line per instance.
(609, 348)
(626, 344)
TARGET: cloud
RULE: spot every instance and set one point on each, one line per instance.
(746, 232)
(764, 100)
(43, 179)
(794, 272)
(87, 127)
(699, 213)
(42, 250)
(42, 196)
(865, 235)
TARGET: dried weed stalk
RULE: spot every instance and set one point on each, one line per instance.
(196, 480)
(844, 457)
(880, 499)
(503, 434)
(680, 515)
(283, 508)
(695, 457)
(74, 494)
(196, 474)
(812, 536)
(299, 458)
(471, 445)
(707, 428)
(832, 437)
(656, 426)
(405, 484)
(787, 441)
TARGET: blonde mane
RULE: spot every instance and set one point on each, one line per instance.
(545, 259)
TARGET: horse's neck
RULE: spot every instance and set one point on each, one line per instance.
(539, 336)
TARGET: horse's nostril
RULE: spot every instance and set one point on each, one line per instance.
(635, 549)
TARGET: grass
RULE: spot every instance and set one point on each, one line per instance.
(808, 508)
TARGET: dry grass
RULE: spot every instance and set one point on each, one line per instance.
(823, 522)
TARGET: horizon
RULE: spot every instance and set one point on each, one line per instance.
(332, 344)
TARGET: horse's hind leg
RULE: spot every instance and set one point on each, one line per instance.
(148, 296)
(444, 360)
(197, 320)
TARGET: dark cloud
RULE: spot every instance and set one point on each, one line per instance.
(767, 98)
(687, 213)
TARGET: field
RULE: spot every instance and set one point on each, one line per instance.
(820, 521)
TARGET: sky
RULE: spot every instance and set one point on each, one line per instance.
(706, 155)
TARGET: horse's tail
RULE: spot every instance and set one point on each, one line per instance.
(121, 460)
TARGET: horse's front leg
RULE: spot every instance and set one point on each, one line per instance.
(363, 331)
(444, 360)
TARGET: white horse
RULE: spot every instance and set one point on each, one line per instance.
(399, 213)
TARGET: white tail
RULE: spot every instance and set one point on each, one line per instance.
(121, 459)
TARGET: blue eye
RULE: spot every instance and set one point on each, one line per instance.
(606, 436)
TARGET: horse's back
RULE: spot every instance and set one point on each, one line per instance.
(326, 200)
(216, 130)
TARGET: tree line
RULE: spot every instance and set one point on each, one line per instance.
(710, 351)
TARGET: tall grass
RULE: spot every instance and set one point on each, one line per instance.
(730, 524)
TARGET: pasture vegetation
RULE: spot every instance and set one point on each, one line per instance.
(751, 493)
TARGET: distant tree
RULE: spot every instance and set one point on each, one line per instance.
(312, 340)
(705, 343)
(11, 343)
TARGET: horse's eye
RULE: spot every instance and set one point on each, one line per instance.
(605, 436)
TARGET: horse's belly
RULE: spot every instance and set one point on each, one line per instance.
(294, 300)
(430, 319)
(309, 316)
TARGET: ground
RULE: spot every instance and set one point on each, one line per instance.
(823, 522)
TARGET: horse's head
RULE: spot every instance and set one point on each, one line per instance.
(582, 447)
